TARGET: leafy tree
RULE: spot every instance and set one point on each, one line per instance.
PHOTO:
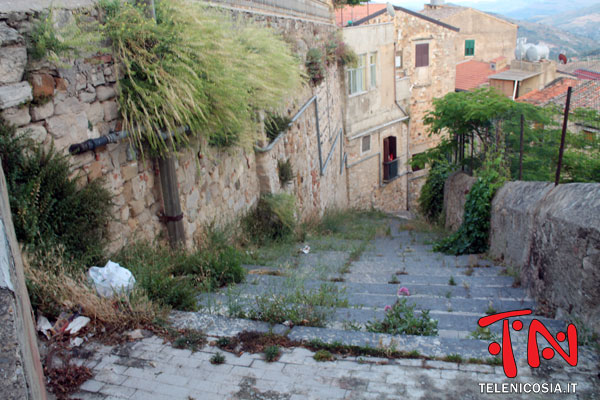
(342, 3)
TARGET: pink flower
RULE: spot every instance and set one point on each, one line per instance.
(387, 308)
(403, 292)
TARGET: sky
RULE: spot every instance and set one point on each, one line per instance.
(500, 6)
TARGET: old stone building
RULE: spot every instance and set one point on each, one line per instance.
(415, 65)
(482, 36)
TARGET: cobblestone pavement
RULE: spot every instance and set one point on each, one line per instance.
(151, 369)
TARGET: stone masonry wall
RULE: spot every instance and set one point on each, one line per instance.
(72, 103)
(552, 235)
(457, 187)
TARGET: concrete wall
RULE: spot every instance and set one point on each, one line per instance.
(20, 367)
(552, 234)
(319, 10)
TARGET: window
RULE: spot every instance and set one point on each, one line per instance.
(422, 55)
(469, 47)
(365, 144)
(373, 69)
(357, 77)
(390, 159)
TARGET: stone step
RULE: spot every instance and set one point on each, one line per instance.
(258, 283)
(431, 346)
(448, 321)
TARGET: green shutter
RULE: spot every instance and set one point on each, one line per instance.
(469, 47)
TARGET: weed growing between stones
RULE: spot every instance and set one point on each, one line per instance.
(484, 334)
(273, 219)
(323, 355)
(513, 272)
(285, 171)
(453, 358)
(451, 281)
(400, 319)
(300, 306)
(190, 339)
(272, 353)
(275, 124)
(394, 280)
(217, 358)
(491, 310)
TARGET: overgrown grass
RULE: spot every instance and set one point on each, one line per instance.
(298, 305)
(195, 66)
(174, 278)
(190, 339)
(53, 289)
(273, 219)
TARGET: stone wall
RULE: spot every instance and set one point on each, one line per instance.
(72, 103)
(457, 187)
(20, 367)
(552, 235)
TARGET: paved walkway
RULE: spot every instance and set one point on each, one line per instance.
(456, 290)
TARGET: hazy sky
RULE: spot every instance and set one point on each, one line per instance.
(496, 5)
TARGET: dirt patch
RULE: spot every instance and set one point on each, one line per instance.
(65, 380)
(255, 342)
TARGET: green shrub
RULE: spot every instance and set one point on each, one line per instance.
(190, 339)
(286, 171)
(196, 67)
(431, 200)
(272, 353)
(472, 236)
(346, 56)
(315, 66)
(276, 124)
(217, 358)
(273, 218)
(47, 206)
(43, 39)
(400, 319)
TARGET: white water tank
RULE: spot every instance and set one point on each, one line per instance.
(536, 53)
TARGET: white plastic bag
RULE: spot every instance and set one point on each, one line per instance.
(111, 279)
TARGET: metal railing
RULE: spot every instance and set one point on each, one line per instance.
(310, 9)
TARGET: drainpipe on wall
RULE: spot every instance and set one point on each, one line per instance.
(407, 128)
(515, 90)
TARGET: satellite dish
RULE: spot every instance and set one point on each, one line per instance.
(390, 10)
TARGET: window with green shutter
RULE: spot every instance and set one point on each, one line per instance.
(469, 47)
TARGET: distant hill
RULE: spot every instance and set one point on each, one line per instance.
(583, 21)
(558, 40)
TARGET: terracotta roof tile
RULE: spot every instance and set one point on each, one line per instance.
(472, 74)
(585, 94)
(354, 13)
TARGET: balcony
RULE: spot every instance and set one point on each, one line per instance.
(390, 170)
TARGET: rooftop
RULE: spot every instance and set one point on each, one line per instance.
(588, 65)
(355, 13)
(554, 89)
(406, 11)
(472, 74)
(514, 75)
(585, 94)
(441, 12)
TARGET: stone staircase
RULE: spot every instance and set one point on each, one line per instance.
(456, 290)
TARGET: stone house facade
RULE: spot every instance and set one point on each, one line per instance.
(70, 104)
(482, 36)
(423, 69)
(376, 126)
